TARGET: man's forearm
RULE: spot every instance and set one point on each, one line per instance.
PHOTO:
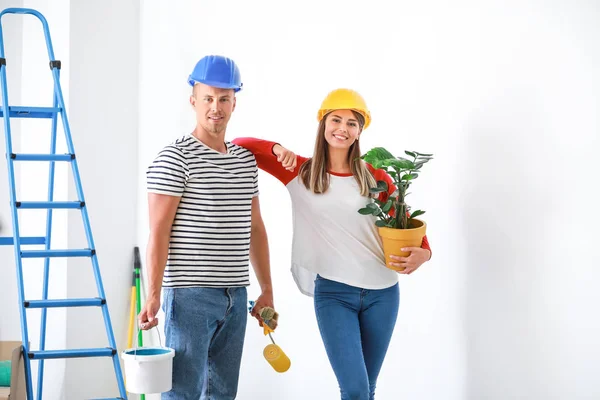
(259, 257)
(156, 260)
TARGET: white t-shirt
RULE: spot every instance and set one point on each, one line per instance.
(330, 237)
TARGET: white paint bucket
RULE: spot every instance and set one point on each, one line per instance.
(148, 369)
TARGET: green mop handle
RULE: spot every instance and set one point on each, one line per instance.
(136, 270)
(136, 267)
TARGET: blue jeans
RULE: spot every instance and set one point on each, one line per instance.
(206, 328)
(356, 327)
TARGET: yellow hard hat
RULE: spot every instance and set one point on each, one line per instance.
(345, 99)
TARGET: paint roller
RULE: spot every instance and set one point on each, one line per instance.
(272, 352)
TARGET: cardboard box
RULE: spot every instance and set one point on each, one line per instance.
(13, 351)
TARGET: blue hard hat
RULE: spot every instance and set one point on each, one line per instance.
(216, 71)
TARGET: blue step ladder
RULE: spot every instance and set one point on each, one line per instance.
(7, 112)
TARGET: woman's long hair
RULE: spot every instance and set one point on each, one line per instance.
(313, 173)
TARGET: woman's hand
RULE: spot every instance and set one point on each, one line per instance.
(410, 264)
(285, 157)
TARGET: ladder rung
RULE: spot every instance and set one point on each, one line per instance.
(56, 253)
(43, 157)
(30, 112)
(75, 353)
(9, 241)
(50, 204)
(64, 303)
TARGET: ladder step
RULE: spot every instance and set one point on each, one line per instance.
(50, 204)
(64, 303)
(43, 157)
(30, 112)
(75, 353)
(9, 241)
(57, 253)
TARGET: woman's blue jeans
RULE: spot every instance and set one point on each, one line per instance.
(356, 327)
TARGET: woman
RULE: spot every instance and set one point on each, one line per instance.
(337, 255)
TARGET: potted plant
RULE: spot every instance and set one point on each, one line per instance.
(397, 226)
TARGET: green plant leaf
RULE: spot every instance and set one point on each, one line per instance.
(376, 164)
(387, 206)
(417, 213)
(400, 164)
(365, 211)
(381, 223)
(376, 156)
(383, 185)
(423, 154)
(409, 177)
(373, 206)
(376, 190)
(383, 164)
(410, 153)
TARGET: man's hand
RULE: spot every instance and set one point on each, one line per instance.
(416, 258)
(264, 300)
(147, 316)
(287, 158)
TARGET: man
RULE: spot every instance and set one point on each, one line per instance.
(205, 226)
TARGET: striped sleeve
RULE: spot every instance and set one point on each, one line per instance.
(168, 173)
(255, 182)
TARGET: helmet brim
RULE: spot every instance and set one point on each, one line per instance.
(219, 85)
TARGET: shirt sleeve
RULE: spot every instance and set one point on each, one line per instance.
(256, 191)
(266, 160)
(168, 174)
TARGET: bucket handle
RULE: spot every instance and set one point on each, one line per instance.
(137, 339)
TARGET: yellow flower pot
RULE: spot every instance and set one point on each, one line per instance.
(396, 239)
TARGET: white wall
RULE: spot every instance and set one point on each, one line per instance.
(528, 210)
(104, 106)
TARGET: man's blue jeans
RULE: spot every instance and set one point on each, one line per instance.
(206, 328)
(356, 327)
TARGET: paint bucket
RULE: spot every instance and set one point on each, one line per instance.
(148, 369)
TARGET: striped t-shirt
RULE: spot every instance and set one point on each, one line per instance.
(210, 237)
